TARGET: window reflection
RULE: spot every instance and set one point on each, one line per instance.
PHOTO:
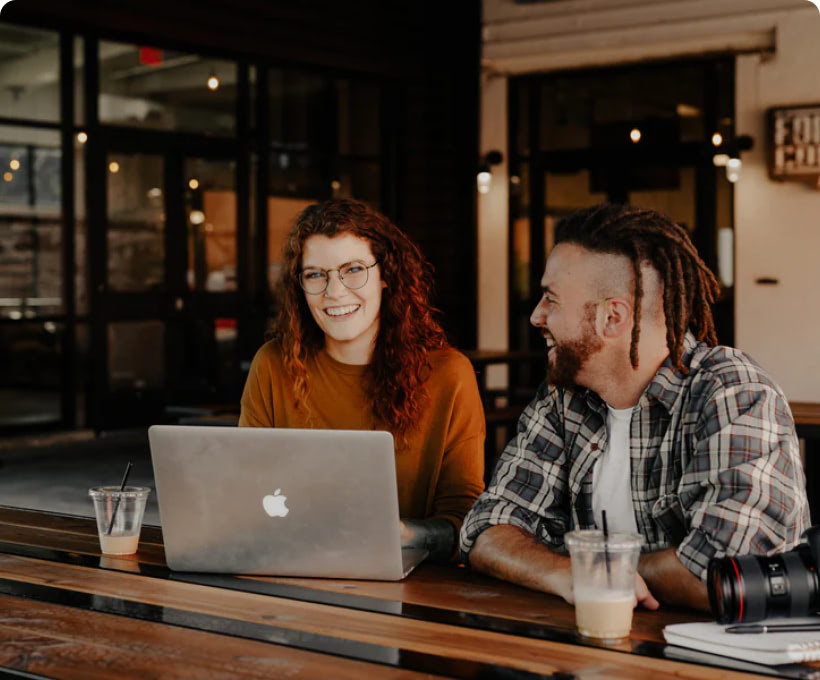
(136, 222)
(162, 89)
(210, 207)
(30, 236)
(30, 373)
(29, 73)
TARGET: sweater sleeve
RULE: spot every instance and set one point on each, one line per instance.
(257, 397)
(461, 478)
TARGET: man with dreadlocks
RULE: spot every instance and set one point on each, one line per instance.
(643, 416)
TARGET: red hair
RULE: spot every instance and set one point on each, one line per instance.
(407, 328)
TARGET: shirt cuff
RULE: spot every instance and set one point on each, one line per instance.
(489, 512)
(695, 551)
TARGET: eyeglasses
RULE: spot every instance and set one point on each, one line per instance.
(353, 276)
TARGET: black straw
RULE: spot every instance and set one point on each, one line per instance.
(606, 549)
(117, 503)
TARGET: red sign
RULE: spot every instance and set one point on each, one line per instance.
(150, 56)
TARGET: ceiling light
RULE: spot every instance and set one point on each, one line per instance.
(717, 139)
(82, 137)
(197, 217)
(213, 83)
(193, 183)
(114, 167)
(14, 164)
(635, 135)
(335, 185)
(8, 176)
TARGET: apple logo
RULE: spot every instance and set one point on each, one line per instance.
(275, 505)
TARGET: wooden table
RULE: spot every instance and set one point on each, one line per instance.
(68, 612)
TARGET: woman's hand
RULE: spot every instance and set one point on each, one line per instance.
(435, 535)
(407, 535)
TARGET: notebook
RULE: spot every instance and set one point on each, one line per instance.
(763, 648)
(282, 502)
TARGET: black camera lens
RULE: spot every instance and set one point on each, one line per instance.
(750, 588)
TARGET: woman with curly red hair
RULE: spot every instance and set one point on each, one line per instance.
(354, 345)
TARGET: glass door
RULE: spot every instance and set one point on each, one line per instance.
(167, 303)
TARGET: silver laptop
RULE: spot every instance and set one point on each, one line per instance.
(277, 501)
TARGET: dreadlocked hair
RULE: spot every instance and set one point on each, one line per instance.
(647, 236)
(407, 331)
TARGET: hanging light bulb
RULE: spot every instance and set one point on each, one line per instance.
(483, 180)
(717, 139)
(733, 169)
(213, 82)
(82, 137)
(635, 135)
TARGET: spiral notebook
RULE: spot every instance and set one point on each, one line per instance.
(765, 648)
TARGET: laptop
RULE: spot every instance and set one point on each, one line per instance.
(279, 502)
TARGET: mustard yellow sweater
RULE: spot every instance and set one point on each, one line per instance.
(440, 468)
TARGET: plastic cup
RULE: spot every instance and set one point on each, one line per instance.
(119, 517)
(603, 581)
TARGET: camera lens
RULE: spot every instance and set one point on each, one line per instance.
(750, 588)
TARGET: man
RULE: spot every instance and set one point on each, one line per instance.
(690, 444)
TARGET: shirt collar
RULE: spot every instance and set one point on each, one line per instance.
(667, 387)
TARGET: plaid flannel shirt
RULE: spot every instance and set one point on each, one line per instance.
(715, 464)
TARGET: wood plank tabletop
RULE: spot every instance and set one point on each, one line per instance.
(66, 611)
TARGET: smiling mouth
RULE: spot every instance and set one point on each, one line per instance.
(550, 342)
(338, 312)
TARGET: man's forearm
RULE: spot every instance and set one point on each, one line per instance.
(671, 582)
(510, 553)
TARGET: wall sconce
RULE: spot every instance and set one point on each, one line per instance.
(484, 176)
(728, 156)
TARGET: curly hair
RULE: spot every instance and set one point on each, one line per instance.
(407, 328)
(647, 236)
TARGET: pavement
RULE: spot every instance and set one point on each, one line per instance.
(54, 472)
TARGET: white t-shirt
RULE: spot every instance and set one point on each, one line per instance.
(611, 476)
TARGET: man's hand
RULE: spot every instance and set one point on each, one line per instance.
(671, 581)
(510, 553)
(643, 595)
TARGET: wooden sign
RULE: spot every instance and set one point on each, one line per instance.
(794, 134)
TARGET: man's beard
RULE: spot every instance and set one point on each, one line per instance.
(568, 358)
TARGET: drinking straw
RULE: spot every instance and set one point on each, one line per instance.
(117, 502)
(606, 550)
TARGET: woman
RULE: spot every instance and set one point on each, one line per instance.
(355, 346)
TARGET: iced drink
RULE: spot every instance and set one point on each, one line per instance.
(119, 517)
(119, 545)
(603, 614)
(603, 579)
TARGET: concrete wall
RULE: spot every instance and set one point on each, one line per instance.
(777, 225)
